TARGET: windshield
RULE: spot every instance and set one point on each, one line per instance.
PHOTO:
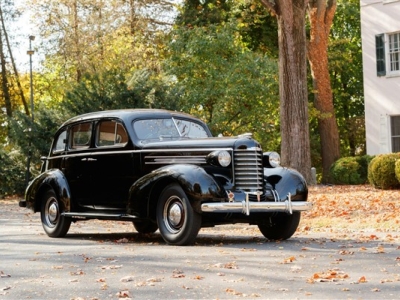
(161, 129)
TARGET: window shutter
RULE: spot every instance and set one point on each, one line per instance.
(380, 54)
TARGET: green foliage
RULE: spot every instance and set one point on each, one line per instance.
(230, 87)
(381, 171)
(110, 90)
(397, 169)
(12, 172)
(345, 60)
(201, 13)
(257, 26)
(350, 170)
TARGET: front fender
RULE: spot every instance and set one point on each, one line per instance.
(51, 179)
(285, 181)
(197, 184)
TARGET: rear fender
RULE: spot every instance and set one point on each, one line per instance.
(285, 181)
(196, 183)
(51, 179)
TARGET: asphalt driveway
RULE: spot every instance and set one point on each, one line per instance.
(108, 260)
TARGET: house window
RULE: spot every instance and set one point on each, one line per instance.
(394, 51)
(395, 133)
(380, 55)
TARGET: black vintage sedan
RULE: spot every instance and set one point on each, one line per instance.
(163, 171)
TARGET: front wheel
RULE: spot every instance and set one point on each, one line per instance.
(177, 221)
(54, 224)
(281, 226)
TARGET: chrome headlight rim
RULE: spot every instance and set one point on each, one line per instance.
(219, 158)
(273, 159)
(224, 158)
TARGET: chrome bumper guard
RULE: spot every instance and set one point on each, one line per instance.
(245, 207)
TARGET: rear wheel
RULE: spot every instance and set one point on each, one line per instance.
(281, 226)
(145, 227)
(177, 221)
(54, 224)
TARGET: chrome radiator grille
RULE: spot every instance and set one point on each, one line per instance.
(248, 170)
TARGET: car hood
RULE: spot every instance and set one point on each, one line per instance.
(205, 143)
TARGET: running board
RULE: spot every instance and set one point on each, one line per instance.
(101, 216)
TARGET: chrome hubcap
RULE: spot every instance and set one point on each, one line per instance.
(174, 214)
(52, 212)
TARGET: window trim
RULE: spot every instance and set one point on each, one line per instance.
(392, 117)
(390, 53)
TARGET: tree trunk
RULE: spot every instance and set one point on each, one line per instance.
(295, 134)
(21, 92)
(321, 13)
(4, 82)
(75, 26)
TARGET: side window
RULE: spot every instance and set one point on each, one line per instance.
(60, 142)
(80, 136)
(111, 133)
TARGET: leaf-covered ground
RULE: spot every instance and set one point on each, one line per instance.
(362, 207)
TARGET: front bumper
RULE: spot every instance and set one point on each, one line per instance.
(246, 206)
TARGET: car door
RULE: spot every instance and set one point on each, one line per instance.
(114, 167)
(77, 164)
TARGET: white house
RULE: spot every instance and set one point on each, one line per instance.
(380, 33)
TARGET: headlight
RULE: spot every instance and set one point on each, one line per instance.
(271, 160)
(219, 158)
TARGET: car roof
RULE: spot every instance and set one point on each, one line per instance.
(129, 114)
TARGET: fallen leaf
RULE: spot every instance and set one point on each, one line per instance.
(177, 274)
(233, 292)
(2, 275)
(328, 276)
(289, 260)
(362, 279)
(127, 279)
(123, 294)
(58, 267)
(380, 249)
(79, 272)
(112, 267)
(230, 265)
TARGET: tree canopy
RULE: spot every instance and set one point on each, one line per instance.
(215, 59)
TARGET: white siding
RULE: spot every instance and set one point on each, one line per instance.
(382, 94)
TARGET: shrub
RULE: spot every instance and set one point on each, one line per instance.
(350, 170)
(12, 173)
(381, 171)
(397, 169)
